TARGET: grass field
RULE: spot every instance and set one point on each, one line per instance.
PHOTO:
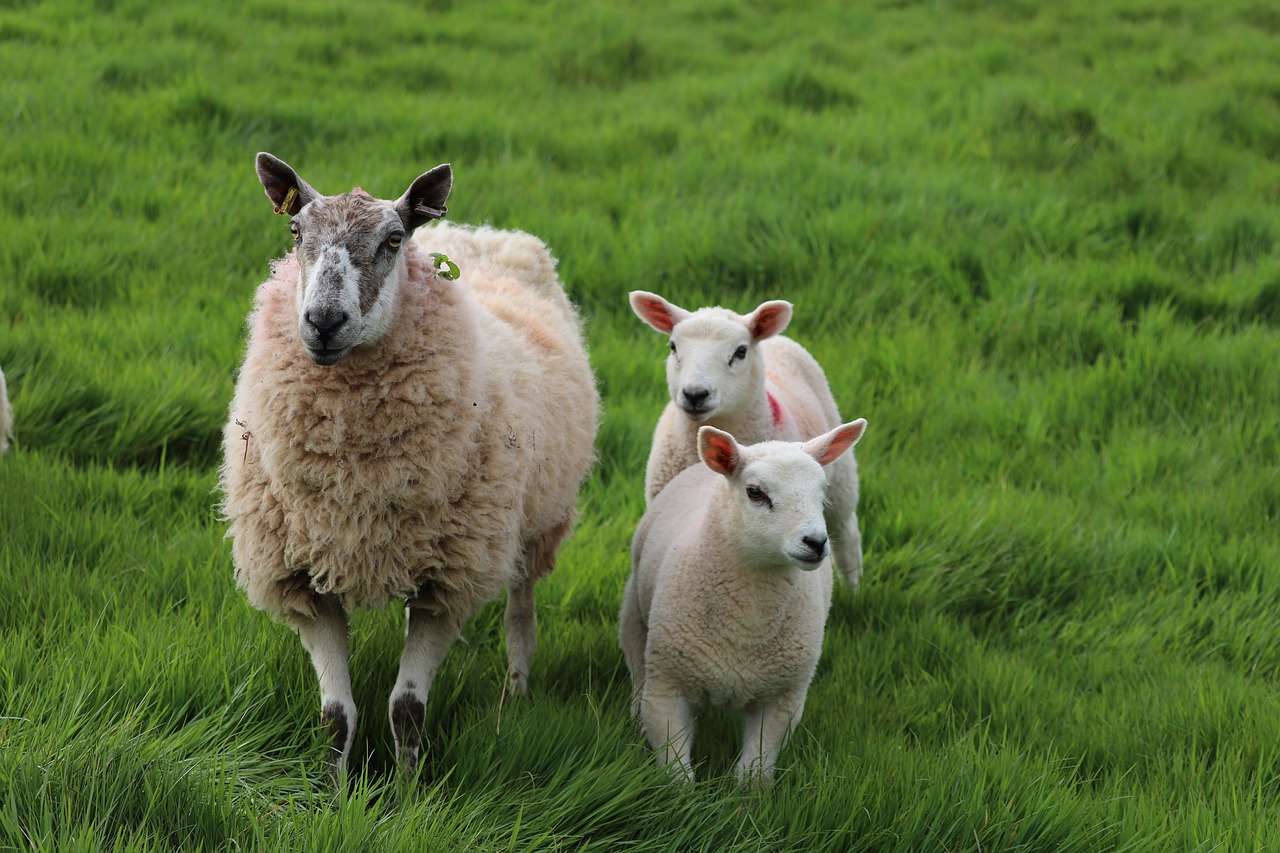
(1036, 245)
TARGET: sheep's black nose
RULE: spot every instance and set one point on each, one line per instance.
(816, 544)
(325, 323)
(695, 397)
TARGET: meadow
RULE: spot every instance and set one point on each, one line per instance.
(1036, 245)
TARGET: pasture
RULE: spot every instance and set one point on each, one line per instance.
(1036, 246)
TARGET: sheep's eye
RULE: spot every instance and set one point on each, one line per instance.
(394, 241)
(293, 229)
(739, 354)
(757, 496)
(673, 347)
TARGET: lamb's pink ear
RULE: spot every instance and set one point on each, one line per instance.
(769, 319)
(288, 192)
(424, 200)
(656, 311)
(829, 447)
(719, 451)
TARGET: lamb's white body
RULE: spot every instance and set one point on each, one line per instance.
(728, 598)
(6, 416)
(398, 436)
(774, 390)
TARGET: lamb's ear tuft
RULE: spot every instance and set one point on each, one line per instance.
(719, 451)
(424, 200)
(769, 319)
(656, 311)
(829, 447)
(288, 192)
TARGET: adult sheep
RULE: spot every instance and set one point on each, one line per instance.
(729, 591)
(739, 374)
(398, 435)
(6, 416)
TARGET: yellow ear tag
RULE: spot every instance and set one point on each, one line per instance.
(287, 204)
(448, 269)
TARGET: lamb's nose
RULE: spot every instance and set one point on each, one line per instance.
(325, 323)
(816, 544)
(695, 397)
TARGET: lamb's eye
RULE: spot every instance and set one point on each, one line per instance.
(757, 496)
(739, 354)
(673, 347)
(394, 241)
(293, 229)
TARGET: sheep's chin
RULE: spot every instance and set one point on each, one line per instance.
(807, 564)
(327, 357)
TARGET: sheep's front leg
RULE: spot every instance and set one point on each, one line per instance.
(427, 640)
(325, 639)
(768, 726)
(667, 717)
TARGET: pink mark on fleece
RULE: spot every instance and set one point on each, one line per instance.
(775, 407)
(359, 192)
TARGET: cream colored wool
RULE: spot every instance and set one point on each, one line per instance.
(6, 416)
(417, 468)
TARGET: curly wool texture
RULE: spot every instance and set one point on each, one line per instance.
(422, 466)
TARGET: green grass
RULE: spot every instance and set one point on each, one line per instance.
(1036, 245)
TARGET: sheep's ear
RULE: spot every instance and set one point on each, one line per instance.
(769, 319)
(829, 447)
(656, 311)
(719, 451)
(288, 192)
(424, 200)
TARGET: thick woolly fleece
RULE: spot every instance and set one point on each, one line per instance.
(422, 466)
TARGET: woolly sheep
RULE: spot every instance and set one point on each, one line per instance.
(396, 435)
(739, 374)
(6, 417)
(729, 591)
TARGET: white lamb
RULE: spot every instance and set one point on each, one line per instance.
(741, 375)
(6, 417)
(724, 606)
(396, 435)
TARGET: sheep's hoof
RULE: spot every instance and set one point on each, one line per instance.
(517, 683)
(408, 715)
(334, 718)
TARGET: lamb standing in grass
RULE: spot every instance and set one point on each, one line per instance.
(396, 435)
(741, 375)
(724, 606)
(6, 417)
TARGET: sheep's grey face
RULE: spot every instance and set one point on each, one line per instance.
(349, 259)
(779, 494)
(713, 367)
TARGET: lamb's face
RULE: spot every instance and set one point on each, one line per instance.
(714, 366)
(350, 262)
(778, 497)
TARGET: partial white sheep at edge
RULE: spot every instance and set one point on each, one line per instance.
(399, 436)
(6, 416)
(728, 595)
(741, 375)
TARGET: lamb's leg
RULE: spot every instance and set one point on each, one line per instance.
(667, 716)
(520, 620)
(846, 543)
(325, 639)
(428, 638)
(633, 636)
(768, 726)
